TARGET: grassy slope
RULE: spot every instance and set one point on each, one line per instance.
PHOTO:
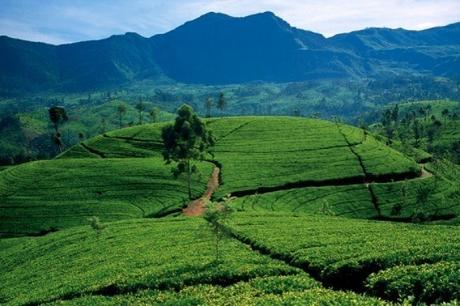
(41, 195)
(350, 201)
(343, 252)
(356, 201)
(159, 256)
(254, 152)
(172, 258)
(270, 151)
(163, 256)
(125, 257)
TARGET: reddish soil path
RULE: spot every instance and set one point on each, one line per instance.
(197, 207)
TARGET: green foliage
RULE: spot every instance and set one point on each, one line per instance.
(57, 116)
(420, 126)
(351, 201)
(239, 294)
(426, 283)
(185, 141)
(419, 200)
(42, 195)
(272, 151)
(121, 175)
(216, 215)
(130, 256)
(96, 224)
(343, 252)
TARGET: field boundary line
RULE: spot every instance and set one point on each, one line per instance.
(93, 151)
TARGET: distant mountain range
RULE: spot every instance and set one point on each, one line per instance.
(220, 49)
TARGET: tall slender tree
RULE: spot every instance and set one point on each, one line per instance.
(140, 108)
(221, 103)
(185, 141)
(58, 116)
(121, 110)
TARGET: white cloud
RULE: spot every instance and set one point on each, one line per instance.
(337, 16)
(60, 21)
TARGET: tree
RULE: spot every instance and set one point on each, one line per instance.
(185, 141)
(221, 103)
(418, 132)
(208, 106)
(387, 123)
(154, 112)
(363, 125)
(58, 116)
(216, 215)
(140, 108)
(121, 109)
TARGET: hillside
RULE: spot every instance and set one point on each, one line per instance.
(309, 199)
(315, 166)
(220, 49)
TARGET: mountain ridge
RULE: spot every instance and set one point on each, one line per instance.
(219, 49)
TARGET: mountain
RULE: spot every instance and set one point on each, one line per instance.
(219, 49)
(78, 66)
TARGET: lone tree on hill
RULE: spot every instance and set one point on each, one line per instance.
(121, 109)
(221, 103)
(185, 141)
(58, 116)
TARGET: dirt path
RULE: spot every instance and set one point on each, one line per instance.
(197, 207)
(425, 173)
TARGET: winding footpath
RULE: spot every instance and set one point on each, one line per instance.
(197, 207)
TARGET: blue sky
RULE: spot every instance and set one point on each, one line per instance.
(63, 21)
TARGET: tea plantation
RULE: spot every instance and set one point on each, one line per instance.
(49, 195)
(323, 214)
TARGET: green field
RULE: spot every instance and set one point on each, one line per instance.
(344, 252)
(312, 207)
(49, 195)
(260, 152)
(127, 256)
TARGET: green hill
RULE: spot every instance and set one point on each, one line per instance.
(171, 261)
(313, 165)
(312, 202)
(49, 195)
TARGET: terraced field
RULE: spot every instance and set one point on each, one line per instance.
(299, 187)
(47, 195)
(342, 253)
(270, 151)
(160, 256)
